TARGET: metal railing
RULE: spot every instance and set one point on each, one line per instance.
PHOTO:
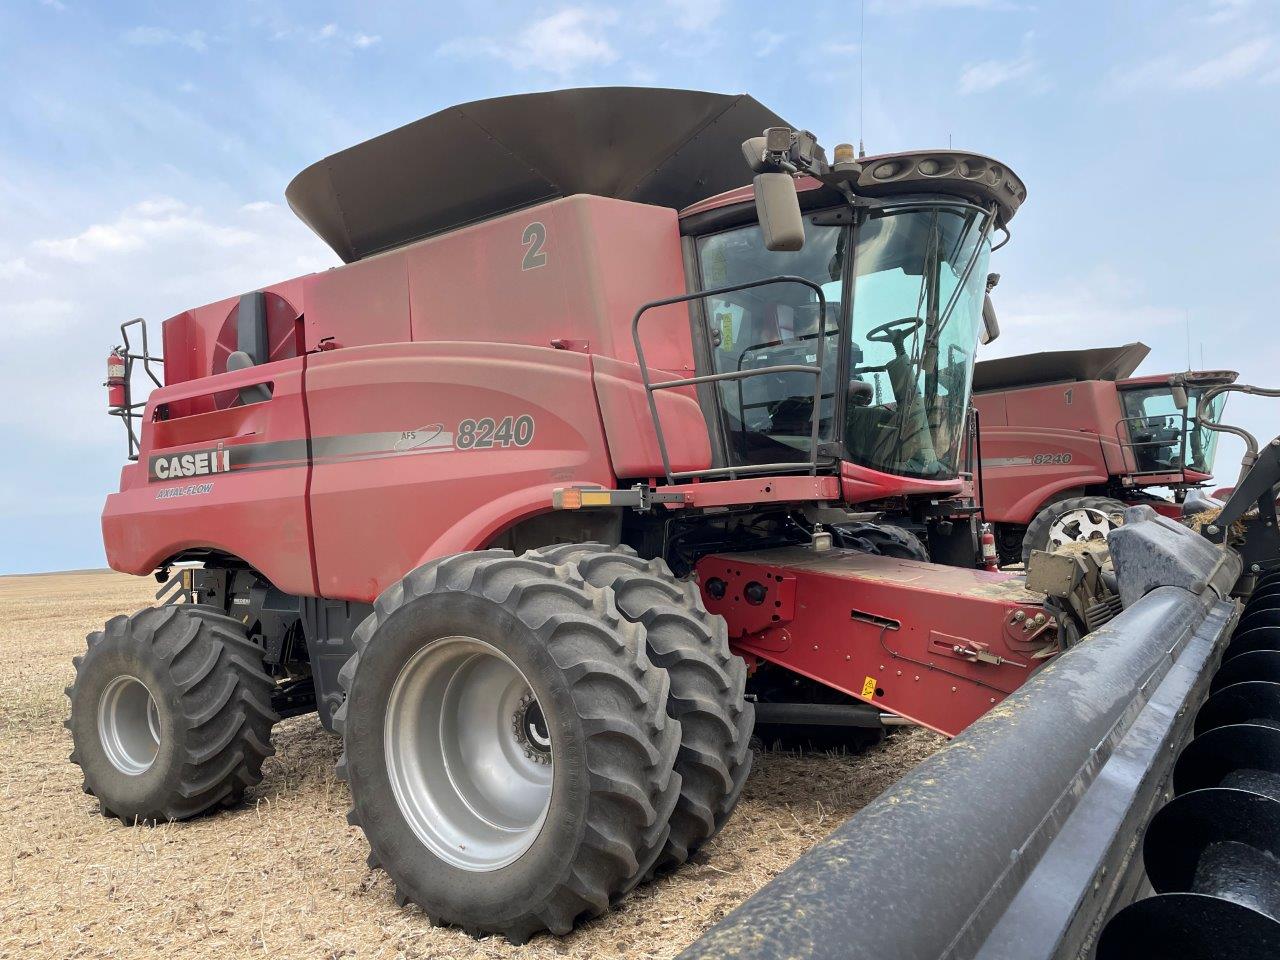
(1124, 437)
(130, 411)
(651, 388)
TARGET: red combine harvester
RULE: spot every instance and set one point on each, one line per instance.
(1070, 438)
(578, 466)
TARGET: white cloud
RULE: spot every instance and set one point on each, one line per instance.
(142, 226)
(154, 259)
(328, 34)
(54, 5)
(911, 6)
(989, 74)
(1224, 11)
(765, 42)
(37, 317)
(839, 48)
(1104, 305)
(562, 43)
(162, 36)
(16, 268)
(695, 15)
(1238, 63)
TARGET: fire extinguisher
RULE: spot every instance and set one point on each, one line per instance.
(115, 379)
(989, 559)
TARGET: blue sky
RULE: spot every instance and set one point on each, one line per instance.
(144, 150)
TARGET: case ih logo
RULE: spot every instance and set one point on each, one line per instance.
(197, 464)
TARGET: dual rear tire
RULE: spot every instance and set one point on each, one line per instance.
(527, 738)
(170, 714)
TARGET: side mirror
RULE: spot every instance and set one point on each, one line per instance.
(778, 208)
(990, 325)
(1179, 396)
(753, 152)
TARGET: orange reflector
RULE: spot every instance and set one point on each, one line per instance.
(566, 498)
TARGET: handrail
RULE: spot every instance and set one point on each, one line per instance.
(651, 388)
(130, 411)
(1132, 444)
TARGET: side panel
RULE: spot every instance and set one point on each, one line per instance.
(361, 303)
(628, 422)
(939, 645)
(422, 450)
(1023, 467)
(573, 270)
(232, 480)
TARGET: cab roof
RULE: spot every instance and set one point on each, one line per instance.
(971, 176)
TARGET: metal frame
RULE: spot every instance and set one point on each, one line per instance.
(1044, 869)
(651, 388)
(129, 411)
(1124, 436)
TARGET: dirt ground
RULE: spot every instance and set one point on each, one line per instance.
(283, 875)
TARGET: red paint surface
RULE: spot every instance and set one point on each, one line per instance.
(458, 327)
(819, 619)
(378, 518)
(1079, 420)
(258, 515)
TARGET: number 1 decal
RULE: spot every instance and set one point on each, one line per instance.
(534, 236)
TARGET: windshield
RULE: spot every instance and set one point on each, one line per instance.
(917, 307)
(1163, 438)
(918, 281)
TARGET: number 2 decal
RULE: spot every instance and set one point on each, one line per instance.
(534, 236)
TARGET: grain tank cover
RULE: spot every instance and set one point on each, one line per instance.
(482, 159)
(1058, 366)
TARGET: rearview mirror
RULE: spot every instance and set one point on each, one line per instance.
(990, 325)
(753, 152)
(1179, 396)
(778, 208)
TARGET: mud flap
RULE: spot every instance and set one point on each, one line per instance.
(1023, 837)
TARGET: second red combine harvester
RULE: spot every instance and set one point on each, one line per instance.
(586, 458)
(1069, 438)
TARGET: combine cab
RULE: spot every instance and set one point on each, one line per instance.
(1070, 438)
(590, 456)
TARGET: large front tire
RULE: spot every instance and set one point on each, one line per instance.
(170, 714)
(707, 684)
(524, 661)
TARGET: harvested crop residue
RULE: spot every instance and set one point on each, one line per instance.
(283, 875)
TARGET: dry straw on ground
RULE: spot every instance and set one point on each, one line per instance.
(283, 875)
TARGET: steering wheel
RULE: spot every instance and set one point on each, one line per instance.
(895, 331)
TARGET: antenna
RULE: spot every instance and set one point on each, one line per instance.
(862, 60)
(1187, 315)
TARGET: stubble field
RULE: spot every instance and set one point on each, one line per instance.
(283, 875)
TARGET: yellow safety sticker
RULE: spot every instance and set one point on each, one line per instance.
(726, 331)
(869, 687)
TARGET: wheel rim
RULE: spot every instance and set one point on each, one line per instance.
(468, 753)
(129, 725)
(1080, 525)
